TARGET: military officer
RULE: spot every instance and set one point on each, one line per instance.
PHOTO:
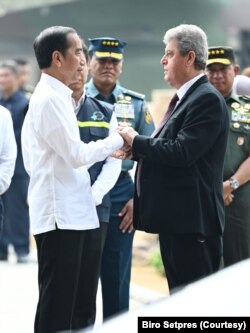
(221, 71)
(130, 108)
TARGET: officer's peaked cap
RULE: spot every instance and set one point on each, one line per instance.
(220, 54)
(107, 47)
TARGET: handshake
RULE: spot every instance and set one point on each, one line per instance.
(128, 134)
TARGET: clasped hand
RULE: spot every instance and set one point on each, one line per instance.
(128, 134)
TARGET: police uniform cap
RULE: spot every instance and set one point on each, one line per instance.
(220, 54)
(107, 47)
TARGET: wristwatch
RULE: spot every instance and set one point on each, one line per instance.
(234, 183)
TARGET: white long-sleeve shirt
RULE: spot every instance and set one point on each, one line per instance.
(56, 160)
(8, 149)
(111, 169)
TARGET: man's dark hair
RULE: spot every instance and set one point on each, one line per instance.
(21, 61)
(50, 40)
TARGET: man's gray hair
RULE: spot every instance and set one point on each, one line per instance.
(190, 38)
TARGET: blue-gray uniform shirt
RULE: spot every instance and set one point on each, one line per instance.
(130, 108)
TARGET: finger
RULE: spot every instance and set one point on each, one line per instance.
(126, 226)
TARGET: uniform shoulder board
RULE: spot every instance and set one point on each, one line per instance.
(134, 94)
(246, 98)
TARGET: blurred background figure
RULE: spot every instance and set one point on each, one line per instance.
(221, 71)
(241, 84)
(23, 70)
(106, 62)
(246, 71)
(16, 218)
(8, 153)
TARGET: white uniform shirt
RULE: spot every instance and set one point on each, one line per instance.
(56, 160)
(8, 149)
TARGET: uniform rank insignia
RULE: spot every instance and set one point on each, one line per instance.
(240, 113)
(240, 140)
(148, 117)
(236, 125)
(123, 108)
(147, 114)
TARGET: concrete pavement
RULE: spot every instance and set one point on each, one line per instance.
(19, 293)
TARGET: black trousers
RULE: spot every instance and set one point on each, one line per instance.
(189, 257)
(68, 272)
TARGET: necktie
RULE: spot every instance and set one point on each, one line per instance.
(165, 118)
(167, 115)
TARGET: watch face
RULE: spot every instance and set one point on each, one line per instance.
(234, 183)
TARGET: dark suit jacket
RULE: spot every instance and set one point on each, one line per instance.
(181, 172)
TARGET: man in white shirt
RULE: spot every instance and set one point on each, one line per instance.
(62, 207)
(8, 152)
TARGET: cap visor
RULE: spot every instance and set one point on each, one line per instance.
(117, 56)
(219, 60)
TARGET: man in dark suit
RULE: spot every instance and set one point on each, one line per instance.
(179, 174)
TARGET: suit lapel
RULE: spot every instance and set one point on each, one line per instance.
(202, 80)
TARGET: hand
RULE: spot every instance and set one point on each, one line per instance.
(125, 153)
(128, 134)
(127, 213)
(227, 189)
(229, 199)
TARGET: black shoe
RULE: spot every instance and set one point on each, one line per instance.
(22, 258)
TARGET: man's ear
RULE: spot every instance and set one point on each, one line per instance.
(57, 58)
(190, 58)
(236, 69)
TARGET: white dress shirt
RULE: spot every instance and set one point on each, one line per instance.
(56, 160)
(8, 149)
(184, 88)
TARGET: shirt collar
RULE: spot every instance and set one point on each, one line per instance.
(233, 96)
(184, 88)
(93, 91)
(77, 105)
(57, 85)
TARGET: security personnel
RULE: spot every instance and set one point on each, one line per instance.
(96, 121)
(16, 218)
(221, 70)
(130, 108)
(8, 152)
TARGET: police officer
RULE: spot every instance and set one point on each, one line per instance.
(221, 71)
(96, 121)
(130, 108)
(8, 154)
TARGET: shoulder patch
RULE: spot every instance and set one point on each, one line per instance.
(147, 114)
(134, 94)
